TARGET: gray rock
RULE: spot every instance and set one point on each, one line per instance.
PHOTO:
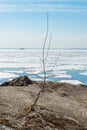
(20, 81)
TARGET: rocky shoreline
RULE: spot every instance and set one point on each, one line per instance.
(62, 106)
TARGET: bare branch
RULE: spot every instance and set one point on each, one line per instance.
(43, 52)
(48, 47)
(46, 32)
(40, 62)
(43, 64)
(55, 64)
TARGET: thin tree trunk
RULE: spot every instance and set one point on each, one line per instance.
(43, 64)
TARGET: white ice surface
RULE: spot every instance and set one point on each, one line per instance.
(13, 71)
(67, 60)
(76, 82)
(84, 73)
(7, 75)
(63, 76)
(60, 74)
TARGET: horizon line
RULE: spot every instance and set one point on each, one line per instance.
(24, 48)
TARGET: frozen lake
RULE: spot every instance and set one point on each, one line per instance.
(66, 65)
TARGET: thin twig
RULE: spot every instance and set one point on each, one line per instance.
(57, 59)
(43, 52)
(48, 47)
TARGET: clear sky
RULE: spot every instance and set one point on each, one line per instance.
(23, 23)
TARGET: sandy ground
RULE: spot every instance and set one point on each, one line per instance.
(62, 99)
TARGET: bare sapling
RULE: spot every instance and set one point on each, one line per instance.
(43, 61)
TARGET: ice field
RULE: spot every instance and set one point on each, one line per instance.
(66, 65)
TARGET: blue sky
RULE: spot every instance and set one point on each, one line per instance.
(23, 23)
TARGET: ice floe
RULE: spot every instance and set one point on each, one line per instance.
(7, 75)
(76, 82)
(84, 73)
